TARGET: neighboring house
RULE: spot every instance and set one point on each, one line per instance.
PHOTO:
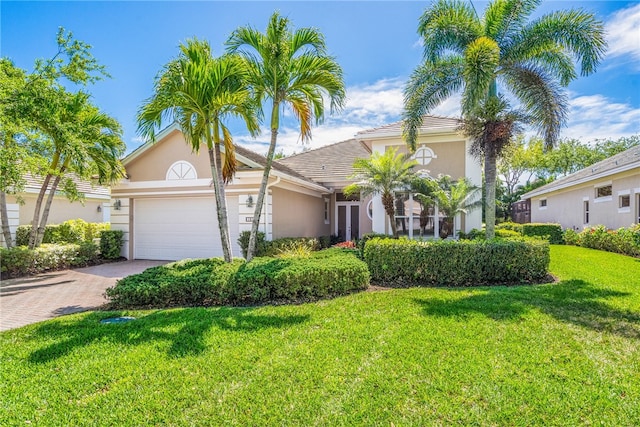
(605, 193)
(94, 208)
(167, 210)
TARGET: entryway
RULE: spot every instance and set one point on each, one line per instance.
(348, 224)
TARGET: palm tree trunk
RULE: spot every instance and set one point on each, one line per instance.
(221, 201)
(251, 250)
(38, 207)
(42, 225)
(490, 191)
(6, 230)
(387, 201)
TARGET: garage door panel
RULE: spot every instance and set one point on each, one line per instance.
(176, 228)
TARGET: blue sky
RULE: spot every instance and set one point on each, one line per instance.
(375, 42)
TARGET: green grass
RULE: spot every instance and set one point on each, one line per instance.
(559, 354)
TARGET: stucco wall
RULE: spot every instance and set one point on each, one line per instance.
(63, 210)
(297, 215)
(566, 207)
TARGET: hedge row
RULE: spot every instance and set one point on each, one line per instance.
(71, 231)
(275, 247)
(406, 262)
(623, 240)
(22, 261)
(551, 232)
(213, 282)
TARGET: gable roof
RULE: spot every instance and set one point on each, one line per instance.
(329, 163)
(430, 124)
(621, 162)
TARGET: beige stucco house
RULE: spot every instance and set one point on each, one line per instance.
(95, 206)
(166, 206)
(605, 193)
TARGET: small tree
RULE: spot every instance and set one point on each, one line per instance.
(459, 197)
(382, 174)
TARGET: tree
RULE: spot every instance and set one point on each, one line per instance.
(531, 60)
(382, 174)
(289, 68)
(201, 92)
(459, 197)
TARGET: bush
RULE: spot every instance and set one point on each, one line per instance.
(473, 234)
(512, 226)
(71, 231)
(111, 243)
(571, 237)
(214, 282)
(551, 232)
(368, 236)
(507, 233)
(456, 263)
(624, 240)
(275, 247)
(21, 261)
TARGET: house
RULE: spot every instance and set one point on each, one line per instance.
(605, 193)
(94, 208)
(166, 206)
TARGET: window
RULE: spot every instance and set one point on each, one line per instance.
(326, 211)
(181, 170)
(624, 201)
(605, 191)
(341, 197)
(424, 155)
(586, 211)
(543, 203)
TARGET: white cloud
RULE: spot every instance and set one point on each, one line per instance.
(596, 116)
(623, 34)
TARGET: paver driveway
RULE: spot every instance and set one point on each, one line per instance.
(33, 299)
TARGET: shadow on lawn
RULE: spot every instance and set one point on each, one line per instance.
(571, 301)
(189, 339)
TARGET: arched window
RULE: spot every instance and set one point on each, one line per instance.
(424, 155)
(181, 170)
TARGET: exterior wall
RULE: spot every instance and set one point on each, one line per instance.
(63, 210)
(298, 215)
(566, 206)
(450, 160)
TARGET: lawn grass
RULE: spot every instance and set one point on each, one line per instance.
(566, 353)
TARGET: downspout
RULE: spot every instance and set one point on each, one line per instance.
(266, 213)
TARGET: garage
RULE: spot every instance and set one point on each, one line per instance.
(180, 227)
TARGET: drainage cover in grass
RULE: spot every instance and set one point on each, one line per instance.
(118, 319)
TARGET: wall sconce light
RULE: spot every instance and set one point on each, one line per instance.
(250, 201)
(117, 204)
(99, 208)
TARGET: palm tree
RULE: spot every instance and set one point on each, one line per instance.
(453, 198)
(200, 92)
(289, 68)
(382, 174)
(531, 60)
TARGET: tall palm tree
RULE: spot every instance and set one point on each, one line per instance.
(532, 60)
(200, 92)
(289, 68)
(383, 174)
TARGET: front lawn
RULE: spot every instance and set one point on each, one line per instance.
(558, 354)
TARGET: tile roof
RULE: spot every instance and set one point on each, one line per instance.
(34, 183)
(329, 163)
(429, 123)
(626, 160)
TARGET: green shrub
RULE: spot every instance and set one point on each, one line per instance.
(473, 234)
(513, 226)
(214, 282)
(21, 261)
(111, 243)
(275, 247)
(368, 236)
(456, 263)
(571, 237)
(551, 232)
(71, 231)
(507, 233)
(624, 240)
(262, 244)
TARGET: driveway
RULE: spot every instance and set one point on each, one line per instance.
(32, 299)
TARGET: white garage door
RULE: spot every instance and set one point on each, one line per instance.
(178, 228)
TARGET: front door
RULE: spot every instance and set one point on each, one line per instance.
(348, 224)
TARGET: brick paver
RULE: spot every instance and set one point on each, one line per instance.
(32, 299)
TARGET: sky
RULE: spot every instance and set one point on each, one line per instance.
(375, 42)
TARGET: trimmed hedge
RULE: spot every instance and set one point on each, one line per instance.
(551, 232)
(111, 243)
(22, 261)
(274, 247)
(214, 282)
(406, 262)
(624, 241)
(71, 231)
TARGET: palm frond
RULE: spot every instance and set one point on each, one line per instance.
(481, 59)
